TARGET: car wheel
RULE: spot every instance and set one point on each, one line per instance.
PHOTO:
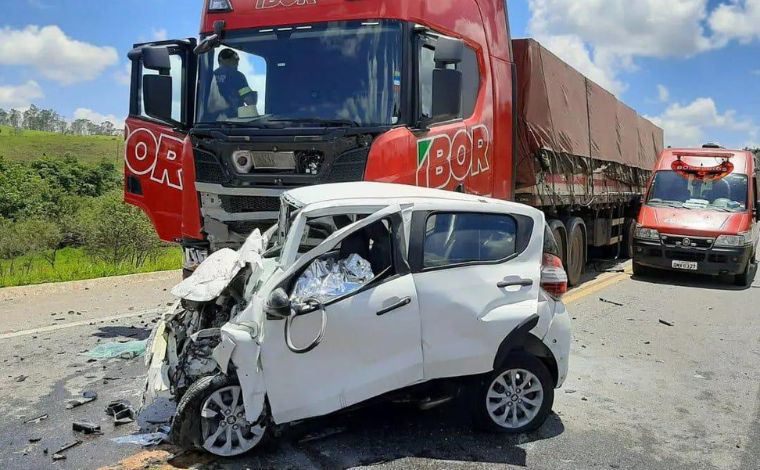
(745, 279)
(211, 417)
(639, 270)
(517, 397)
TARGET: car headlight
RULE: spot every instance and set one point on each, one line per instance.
(733, 240)
(646, 233)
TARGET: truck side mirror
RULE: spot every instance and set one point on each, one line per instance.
(155, 58)
(157, 96)
(447, 82)
(278, 305)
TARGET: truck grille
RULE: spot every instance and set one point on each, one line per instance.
(241, 204)
(208, 169)
(245, 228)
(348, 167)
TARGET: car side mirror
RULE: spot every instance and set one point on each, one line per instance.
(278, 305)
(157, 96)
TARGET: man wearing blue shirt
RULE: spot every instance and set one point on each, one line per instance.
(232, 86)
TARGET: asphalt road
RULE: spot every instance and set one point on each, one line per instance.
(641, 394)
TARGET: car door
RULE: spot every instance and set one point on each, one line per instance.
(371, 343)
(477, 276)
(158, 171)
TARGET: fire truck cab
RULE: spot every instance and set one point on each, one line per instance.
(701, 214)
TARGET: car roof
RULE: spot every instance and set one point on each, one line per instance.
(742, 160)
(366, 191)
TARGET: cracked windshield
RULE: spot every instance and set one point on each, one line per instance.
(728, 194)
(337, 73)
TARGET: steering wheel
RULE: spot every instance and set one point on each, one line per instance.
(312, 305)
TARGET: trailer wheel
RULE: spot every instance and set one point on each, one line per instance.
(560, 236)
(576, 250)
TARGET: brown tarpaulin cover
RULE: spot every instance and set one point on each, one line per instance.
(564, 118)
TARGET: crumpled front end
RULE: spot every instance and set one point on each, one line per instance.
(187, 344)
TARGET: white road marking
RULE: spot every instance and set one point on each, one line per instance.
(48, 329)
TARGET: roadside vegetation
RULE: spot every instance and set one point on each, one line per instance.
(62, 217)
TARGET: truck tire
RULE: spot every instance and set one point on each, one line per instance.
(560, 236)
(516, 398)
(576, 250)
(188, 429)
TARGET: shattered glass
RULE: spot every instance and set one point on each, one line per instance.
(326, 280)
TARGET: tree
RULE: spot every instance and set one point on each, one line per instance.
(4, 117)
(15, 118)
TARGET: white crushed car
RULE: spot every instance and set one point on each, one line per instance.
(365, 290)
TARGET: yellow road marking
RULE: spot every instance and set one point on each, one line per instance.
(596, 285)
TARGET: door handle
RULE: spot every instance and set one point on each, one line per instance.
(402, 303)
(518, 282)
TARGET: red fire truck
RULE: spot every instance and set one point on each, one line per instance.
(278, 94)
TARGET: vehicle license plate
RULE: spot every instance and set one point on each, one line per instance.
(689, 265)
(274, 160)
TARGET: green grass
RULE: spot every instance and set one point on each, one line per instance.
(31, 145)
(73, 264)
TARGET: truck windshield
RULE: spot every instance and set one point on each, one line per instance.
(320, 75)
(728, 194)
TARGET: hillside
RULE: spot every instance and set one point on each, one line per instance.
(31, 145)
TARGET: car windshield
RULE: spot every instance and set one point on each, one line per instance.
(344, 73)
(672, 189)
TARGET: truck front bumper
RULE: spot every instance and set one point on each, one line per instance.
(713, 261)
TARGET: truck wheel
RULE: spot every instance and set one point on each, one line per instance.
(211, 417)
(516, 398)
(560, 236)
(576, 250)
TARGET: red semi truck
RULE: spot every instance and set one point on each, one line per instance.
(284, 93)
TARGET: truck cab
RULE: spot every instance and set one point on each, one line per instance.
(700, 214)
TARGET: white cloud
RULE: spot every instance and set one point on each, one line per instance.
(123, 76)
(20, 96)
(663, 94)
(692, 124)
(602, 38)
(53, 54)
(97, 118)
(160, 34)
(738, 19)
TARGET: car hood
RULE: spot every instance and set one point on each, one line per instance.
(693, 221)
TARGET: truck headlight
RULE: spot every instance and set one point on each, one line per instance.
(242, 160)
(646, 233)
(729, 241)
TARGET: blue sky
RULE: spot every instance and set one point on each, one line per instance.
(693, 66)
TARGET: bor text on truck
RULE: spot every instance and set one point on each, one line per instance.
(432, 93)
(701, 214)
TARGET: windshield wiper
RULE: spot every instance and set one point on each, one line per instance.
(675, 204)
(319, 121)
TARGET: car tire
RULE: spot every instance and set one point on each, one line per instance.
(745, 279)
(190, 427)
(640, 270)
(502, 408)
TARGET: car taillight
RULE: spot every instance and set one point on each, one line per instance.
(553, 276)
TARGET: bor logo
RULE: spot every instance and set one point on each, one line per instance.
(159, 158)
(445, 162)
(262, 4)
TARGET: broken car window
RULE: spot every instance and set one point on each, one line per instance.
(361, 257)
(452, 239)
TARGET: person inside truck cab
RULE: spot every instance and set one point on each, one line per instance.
(230, 95)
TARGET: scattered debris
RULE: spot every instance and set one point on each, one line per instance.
(666, 322)
(584, 399)
(35, 439)
(647, 342)
(21, 378)
(321, 435)
(145, 440)
(87, 397)
(122, 412)
(37, 419)
(570, 390)
(58, 455)
(611, 302)
(699, 376)
(86, 427)
(128, 350)
(660, 361)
